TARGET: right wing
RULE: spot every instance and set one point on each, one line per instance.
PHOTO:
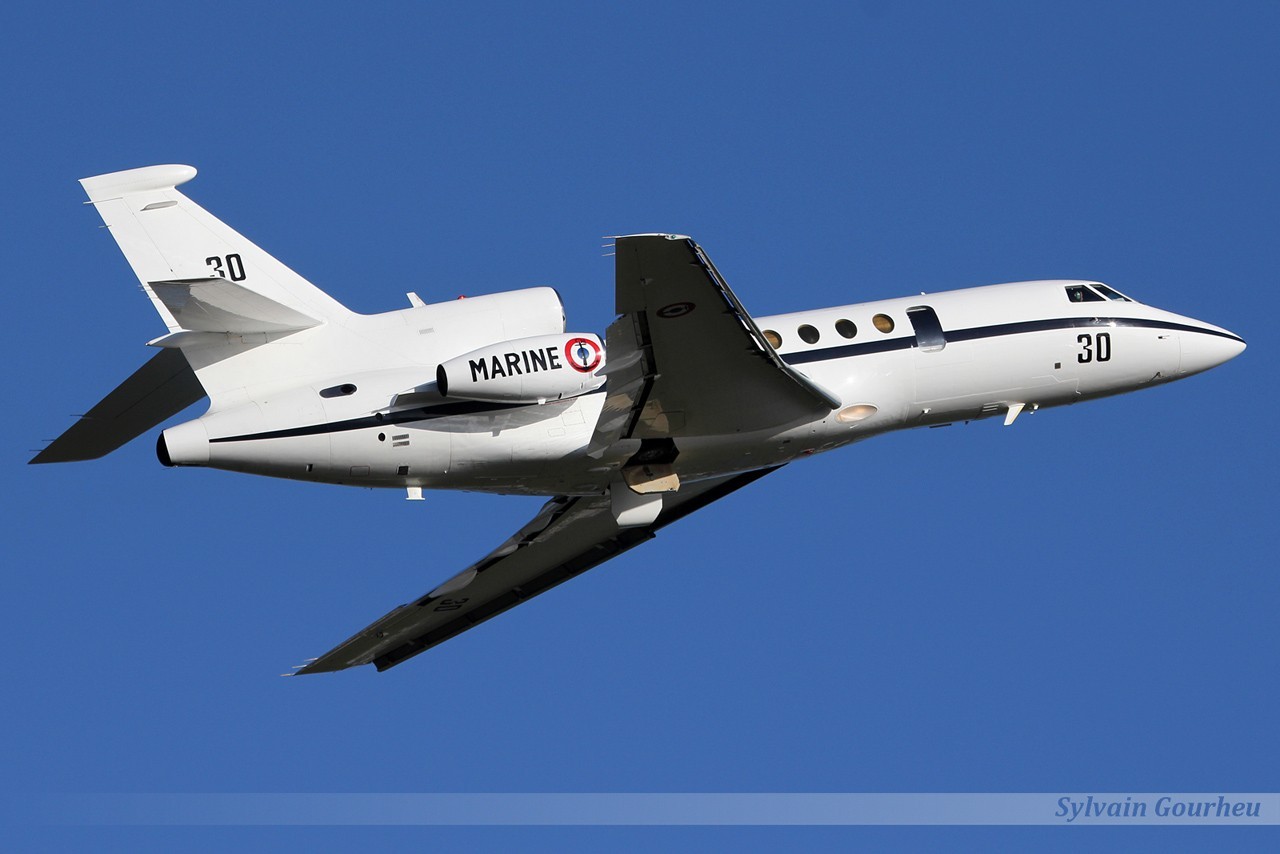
(568, 536)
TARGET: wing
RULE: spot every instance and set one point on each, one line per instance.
(568, 536)
(685, 358)
(161, 388)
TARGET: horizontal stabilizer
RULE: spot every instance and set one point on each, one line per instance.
(161, 388)
(218, 305)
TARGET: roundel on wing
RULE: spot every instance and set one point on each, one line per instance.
(676, 309)
(582, 354)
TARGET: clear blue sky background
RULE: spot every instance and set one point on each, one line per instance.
(1084, 602)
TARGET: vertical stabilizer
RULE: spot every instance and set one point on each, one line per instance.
(167, 237)
(224, 300)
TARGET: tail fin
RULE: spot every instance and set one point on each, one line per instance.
(168, 238)
(222, 298)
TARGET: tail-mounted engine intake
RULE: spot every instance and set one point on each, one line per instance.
(526, 370)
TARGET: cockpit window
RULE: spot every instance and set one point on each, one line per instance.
(1112, 293)
(1079, 293)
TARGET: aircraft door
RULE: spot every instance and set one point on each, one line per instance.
(929, 335)
(939, 375)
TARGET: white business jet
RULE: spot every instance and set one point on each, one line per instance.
(686, 399)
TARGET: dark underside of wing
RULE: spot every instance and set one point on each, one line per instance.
(710, 370)
(568, 536)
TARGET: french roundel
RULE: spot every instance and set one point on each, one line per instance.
(676, 309)
(582, 354)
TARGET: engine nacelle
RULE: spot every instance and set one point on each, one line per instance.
(525, 370)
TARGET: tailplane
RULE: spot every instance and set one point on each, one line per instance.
(224, 300)
(158, 390)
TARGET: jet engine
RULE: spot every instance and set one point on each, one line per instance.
(525, 370)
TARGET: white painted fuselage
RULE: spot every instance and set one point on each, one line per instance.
(1004, 350)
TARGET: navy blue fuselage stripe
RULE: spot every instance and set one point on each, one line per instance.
(821, 354)
(408, 416)
(975, 333)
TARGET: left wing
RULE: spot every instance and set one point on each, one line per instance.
(568, 536)
(685, 357)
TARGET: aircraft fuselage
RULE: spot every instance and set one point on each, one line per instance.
(930, 359)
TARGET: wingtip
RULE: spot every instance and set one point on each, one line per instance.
(617, 237)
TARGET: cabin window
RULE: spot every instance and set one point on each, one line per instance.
(1112, 293)
(883, 322)
(929, 334)
(846, 328)
(1079, 293)
(774, 339)
(808, 334)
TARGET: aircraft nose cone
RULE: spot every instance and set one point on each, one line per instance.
(1202, 350)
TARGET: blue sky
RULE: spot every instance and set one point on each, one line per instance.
(1083, 602)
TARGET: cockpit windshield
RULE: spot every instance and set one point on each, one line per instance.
(1112, 293)
(1094, 293)
(1080, 293)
